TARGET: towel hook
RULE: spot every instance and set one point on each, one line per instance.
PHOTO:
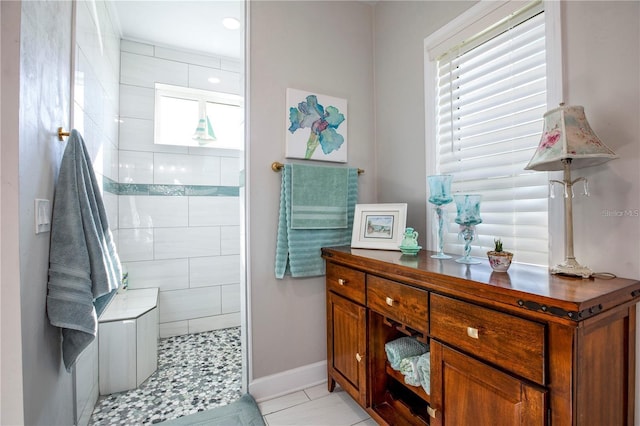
(62, 134)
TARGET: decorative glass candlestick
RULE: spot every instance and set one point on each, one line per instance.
(440, 195)
(468, 208)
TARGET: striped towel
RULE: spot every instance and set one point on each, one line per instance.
(298, 251)
(319, 197)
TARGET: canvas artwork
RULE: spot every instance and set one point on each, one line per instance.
(317, 127)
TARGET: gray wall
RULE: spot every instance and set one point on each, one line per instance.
(325, 47)
(45, 71)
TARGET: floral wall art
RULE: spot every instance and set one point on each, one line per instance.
(317, 127)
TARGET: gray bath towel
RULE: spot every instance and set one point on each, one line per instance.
(83, 263)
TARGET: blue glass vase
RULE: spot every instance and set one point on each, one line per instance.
(468, 208)
(440, 195)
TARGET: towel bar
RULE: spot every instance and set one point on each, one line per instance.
(277, 167)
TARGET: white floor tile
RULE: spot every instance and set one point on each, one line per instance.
(318, 391)
(283, 402)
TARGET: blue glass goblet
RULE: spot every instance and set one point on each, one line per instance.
(439, 195)
(468, 208)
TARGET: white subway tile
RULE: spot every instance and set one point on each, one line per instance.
(232, 65)
(137, 102)
(217, 322)
(137, 135)
(186, 170)
(176, 328)
(135, 167)
(135, 244)
(187, 57)
(216, 270)
(212, 211)
(229, 240)
(230, 82)
(230, 171)
(173, 243)
(111, 206)
(230, 298)
(135, 47)
(145, 71)
(180, 305)
(170, 274)
(152, 211)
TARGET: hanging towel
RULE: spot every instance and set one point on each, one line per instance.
(298, 250)
(401, 348)
(319, 197)
(84, 268)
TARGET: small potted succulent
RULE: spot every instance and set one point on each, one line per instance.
(499, 259)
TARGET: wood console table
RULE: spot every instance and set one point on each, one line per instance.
(517, 348)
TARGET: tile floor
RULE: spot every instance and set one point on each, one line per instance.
(201, 371)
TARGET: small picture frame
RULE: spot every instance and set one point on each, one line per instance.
(379, 226)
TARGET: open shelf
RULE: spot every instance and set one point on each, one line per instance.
(399, 377)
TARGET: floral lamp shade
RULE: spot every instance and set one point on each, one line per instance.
(567, 135)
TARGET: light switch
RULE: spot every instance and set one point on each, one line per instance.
(43, 215)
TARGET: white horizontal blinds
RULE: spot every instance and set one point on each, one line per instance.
(490, 103)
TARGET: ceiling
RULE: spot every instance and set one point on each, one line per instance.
(190, 25)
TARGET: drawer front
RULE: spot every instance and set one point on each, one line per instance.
(513, 343)
(399, 302)
(346, 282)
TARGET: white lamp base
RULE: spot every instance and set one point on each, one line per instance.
(571, 267)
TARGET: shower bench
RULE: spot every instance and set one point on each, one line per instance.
(128, 340)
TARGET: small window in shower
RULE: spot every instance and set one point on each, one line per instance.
(194, 117)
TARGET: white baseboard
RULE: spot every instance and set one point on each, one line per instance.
(289, 381)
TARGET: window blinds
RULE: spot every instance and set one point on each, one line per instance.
(490, 101)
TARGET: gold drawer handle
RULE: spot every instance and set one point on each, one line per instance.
(358, 357)
(389, 301)
(341, 281)
(472, 332)
(431, 412)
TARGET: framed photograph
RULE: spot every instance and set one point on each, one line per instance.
(379, 226)
(316, 126)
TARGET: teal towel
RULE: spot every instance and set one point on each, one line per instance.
(424, 371)
(298, 251)
(401, 348)
(319, 197)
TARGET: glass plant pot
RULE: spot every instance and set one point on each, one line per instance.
(440, 195)
(468, 209)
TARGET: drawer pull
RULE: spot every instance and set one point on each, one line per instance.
(358, 357)
(389, 301)
(431, 412)
(341, 281)
(472, 332)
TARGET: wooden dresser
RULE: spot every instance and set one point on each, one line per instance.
(517, 348)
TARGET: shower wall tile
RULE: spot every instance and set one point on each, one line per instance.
(135, 167)
(230, 171)
(136, 134)
(110, 201)
(175, 328)
(172, 243)
(230, 82)
(232, 65)
(136, 47)
(110, 159)
(176, 169)
(230, 298)
(187, 57)
(216, 322)
(137, 102)
(145, 71)
(180, 305)
(212, 211)
(216, 270)
(135, 244)
(230, 240)
(152, 212)
(171, 274)
(215, 152)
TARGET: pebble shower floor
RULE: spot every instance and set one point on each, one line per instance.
(195, 372)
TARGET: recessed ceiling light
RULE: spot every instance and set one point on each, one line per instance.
(213, 80)
(231, 23)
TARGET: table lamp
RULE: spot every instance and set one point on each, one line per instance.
(568, 142)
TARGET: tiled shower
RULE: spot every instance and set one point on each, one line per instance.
(178, 207)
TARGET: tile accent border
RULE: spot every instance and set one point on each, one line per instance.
(116, 188)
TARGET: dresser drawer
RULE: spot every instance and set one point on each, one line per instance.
(400, 302)
(346, 282)
(513, 343)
